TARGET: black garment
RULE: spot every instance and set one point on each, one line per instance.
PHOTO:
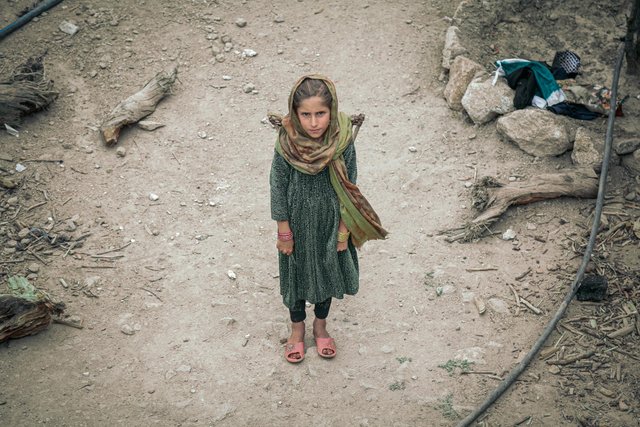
(321, 310)
(576, 111)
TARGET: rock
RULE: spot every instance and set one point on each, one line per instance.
(537, 132)
(33, 267)
(24, 232)
(68, 28)
(121, 151)
(554, 369)
(250, 53)
(386, 349)
(588, 150)
(509, 234)
(413, 149)
(279, 19)
(248, 88)
(452, 47)
(7, 182)
(483, 101)
(463, 70)
(12, 201)
(625, 145)
(498, 305)
(241, 22)
(202, 134)
(149, 125)
(153, 197)
(70, 225)
(183, 368)
(220, 57)
(231, 274)
(127, 329)
(631, 196)
(632, 162)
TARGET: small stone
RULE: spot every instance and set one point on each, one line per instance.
(554, 369)
(226, 77)
(279, 19)
(153, 197)
(531, 226)
(20, 168)
(631, 196)
(622, 405)
(127, 330)
(149, 125)
(231, 275)
(24, 232)
(220, 57)
(413, 149)
(509, 235)
(33, 267)
(241, 22)
(248, 88)
(121, 151)
(202, 134)
(512, 178)
(225, 38)
(249, 53)
(386, 349)
(468, 184)
(68, 28)
(183, 368)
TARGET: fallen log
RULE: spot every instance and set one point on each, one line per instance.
(26, 311)
(138, 105)
(493, 198)
(25, 90)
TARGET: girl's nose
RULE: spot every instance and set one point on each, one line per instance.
(313, 120)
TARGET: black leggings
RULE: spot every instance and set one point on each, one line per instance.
(320, 309)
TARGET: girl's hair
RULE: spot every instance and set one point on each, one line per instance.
(310, 88)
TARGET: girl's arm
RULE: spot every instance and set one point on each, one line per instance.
(279, 181)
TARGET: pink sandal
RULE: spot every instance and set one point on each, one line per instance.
(323, 344)
(292, 350)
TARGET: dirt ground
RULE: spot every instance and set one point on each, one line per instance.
(169, 338)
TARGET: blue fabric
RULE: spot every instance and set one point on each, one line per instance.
(547, 89)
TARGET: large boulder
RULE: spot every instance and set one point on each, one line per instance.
(632, 162)
(452, 47)
(484, 101)
(462, 71)
(537, 132)
(588, 149)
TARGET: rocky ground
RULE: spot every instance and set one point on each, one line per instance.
(163, 251)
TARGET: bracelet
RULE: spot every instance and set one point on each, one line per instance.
(286, 236)
(343, 236)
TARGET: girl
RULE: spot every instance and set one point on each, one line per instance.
(321, 215)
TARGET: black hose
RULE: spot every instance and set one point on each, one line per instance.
(520, 367)
(43, 7)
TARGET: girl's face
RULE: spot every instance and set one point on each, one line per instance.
(314, 116)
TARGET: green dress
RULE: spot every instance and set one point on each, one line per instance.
(315, 271)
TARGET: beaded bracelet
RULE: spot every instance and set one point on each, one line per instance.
(285, 237)
(343, 236)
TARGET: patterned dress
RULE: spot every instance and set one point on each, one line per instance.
(315, 271)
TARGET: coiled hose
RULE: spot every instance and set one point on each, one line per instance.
(27, 17)
(520, 367)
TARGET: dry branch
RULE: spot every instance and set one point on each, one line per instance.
(494, 198)
(26, 311)
(24, 91)
(137, 106)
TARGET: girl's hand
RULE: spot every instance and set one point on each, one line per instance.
(342, 246)
(285, 248)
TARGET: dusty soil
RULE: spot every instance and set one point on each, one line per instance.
(169, 338)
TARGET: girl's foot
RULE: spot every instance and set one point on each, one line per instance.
(294, 349)
(324, 343)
